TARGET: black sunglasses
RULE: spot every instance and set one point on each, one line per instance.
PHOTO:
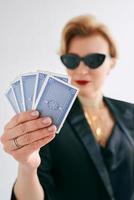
(72, 61)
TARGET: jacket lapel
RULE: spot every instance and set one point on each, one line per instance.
(77, 120)
(124, 115)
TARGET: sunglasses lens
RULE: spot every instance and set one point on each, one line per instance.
(70, 61)
(94, 60)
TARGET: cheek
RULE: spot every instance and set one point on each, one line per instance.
(99, 75)
(70, 73)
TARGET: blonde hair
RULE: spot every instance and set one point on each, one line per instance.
(84, 26)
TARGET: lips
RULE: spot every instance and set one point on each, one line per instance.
(82, 82)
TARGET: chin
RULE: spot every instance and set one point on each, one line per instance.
(84, 93)
(83, 90)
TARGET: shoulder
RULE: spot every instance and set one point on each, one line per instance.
(120, 104)
(124, 113)
(122, 110)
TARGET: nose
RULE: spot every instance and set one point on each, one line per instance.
(82, 68)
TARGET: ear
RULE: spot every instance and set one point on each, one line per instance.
(112, 64)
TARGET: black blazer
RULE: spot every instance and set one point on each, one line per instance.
(72, 167)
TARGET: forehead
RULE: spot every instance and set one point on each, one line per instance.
(90, 44)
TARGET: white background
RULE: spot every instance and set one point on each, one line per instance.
(29, 40)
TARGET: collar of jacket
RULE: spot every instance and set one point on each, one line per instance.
(122, 113)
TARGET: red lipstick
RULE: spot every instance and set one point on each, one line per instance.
(82, 82)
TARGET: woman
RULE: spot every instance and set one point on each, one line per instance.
(93, 155)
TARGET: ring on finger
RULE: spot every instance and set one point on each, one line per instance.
(16, 144)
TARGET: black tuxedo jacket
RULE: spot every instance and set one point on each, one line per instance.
(72, 167)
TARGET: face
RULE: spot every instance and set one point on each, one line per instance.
(90, 81)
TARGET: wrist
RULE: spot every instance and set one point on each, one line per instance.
(25, 170)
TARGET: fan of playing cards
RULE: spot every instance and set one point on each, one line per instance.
(51, 94)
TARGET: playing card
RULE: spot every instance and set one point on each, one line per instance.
(27, 82)
(40, 78)
(18, 94)
(12, 99)
(55, 100)
(62, 77)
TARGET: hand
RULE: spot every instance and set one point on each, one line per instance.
(25, 134)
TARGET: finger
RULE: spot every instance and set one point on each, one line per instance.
(26, 127)
(23, 153)
(36, 135)
(21, 118)
(29, 138)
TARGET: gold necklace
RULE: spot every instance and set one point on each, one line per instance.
(93, 123)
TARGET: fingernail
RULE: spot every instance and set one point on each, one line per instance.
(46, 120)
(51, 128)
(35, 113)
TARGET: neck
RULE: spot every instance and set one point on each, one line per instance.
(92, 102)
